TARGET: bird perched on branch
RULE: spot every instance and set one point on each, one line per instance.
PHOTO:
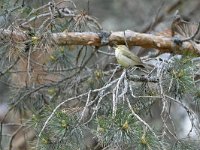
(126, 58)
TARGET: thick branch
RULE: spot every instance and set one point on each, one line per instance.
(7, 35)
(144, 40)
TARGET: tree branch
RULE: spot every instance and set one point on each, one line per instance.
(132, 38)
(7, 35)
(144, 40)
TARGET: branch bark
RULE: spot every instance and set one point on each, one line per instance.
(7, 35)
(132, 38)
(163, 44)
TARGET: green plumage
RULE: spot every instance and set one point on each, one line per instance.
(127, 58)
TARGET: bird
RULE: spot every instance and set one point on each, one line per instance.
(126, 58)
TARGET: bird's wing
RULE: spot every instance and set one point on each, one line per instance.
(132, 56)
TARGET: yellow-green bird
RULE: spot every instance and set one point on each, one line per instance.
(126, 58)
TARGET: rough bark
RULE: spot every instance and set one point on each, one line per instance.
(163, 44)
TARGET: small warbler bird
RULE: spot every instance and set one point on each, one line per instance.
(126, 58)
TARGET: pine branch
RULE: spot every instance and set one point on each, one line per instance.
(163, 44)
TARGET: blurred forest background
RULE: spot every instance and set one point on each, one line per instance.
(149, 16)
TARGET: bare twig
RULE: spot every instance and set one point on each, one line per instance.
(161, 17)
(142, 78)
(105, 53)
(116, 93)
(67, 100)
(191, 114)
(86, 106)
(193, 36)
(2, 73)
(143, 122)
